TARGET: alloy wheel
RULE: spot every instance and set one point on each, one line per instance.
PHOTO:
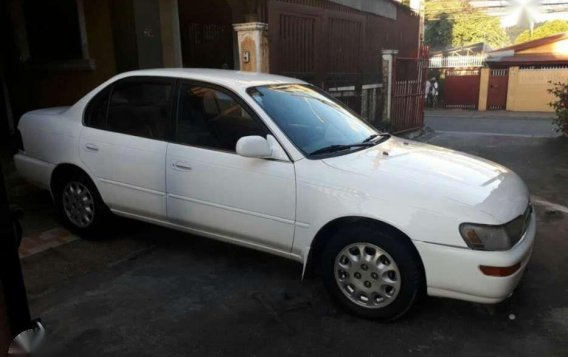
(78, 204)
(367, 275)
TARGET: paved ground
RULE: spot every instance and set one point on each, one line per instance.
(490, 123)
(149, 291)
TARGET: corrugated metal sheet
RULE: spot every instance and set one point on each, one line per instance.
(378, 7)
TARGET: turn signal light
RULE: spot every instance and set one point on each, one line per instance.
(499, 271)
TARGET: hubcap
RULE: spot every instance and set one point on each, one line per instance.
(78, 204)
(367, 275)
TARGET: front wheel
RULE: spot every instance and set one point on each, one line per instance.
(373, 274)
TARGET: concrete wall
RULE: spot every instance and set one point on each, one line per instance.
(148, 33)
(171, 43)
(35, 86)
(528, 88)
(120, 35)
(124, 35)
(137, 30)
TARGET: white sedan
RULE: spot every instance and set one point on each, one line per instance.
(278, 165)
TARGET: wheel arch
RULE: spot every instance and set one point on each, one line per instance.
(324, 233)
(62, 170)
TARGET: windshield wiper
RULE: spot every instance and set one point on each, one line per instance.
(370, 138)
(335, 148)
(374, 136)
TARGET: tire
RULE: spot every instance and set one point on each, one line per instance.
(374, 274)
(80, 206)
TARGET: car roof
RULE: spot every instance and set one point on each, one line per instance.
(227, 78)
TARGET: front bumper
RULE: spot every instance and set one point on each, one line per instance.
(454, 272)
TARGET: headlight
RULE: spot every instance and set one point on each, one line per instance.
(481, 237)
(504, 237)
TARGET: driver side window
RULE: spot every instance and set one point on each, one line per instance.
(211, 118)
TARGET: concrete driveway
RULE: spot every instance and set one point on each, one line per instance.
(149, 291)
(491, 123)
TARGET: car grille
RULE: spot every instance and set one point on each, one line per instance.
(517, 227)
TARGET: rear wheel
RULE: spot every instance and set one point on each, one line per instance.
(80, 205)
(373, 274)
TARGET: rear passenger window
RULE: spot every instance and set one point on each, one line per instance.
(212, 118)
(97, 110)
(139, 107)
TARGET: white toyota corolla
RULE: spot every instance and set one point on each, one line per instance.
(278, 165)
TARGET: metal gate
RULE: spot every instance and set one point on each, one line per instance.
(324, 47)
(461, 89)
(497, 91)
(408, 92)
(206, 35)
(332, 46)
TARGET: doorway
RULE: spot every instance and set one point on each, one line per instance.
(497, 90)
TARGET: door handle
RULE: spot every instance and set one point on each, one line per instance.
(91, 147)
(182, 165)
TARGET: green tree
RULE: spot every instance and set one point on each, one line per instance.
(439, 21)
(452, 23)
(549, 28)
(438, 33)
(560, 105)
(475, 26)
(515, 31)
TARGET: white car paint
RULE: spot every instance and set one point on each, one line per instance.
(249, 199)
(280, 205)
(129, 170)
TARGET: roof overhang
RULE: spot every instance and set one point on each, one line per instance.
(537, 59)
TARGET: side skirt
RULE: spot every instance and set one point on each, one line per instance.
(216, 236)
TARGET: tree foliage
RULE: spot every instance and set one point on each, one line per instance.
(560, 106)
(438, 33)
(454, 23)
(548, 28)
(477, 27)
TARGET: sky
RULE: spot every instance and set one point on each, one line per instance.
(511, 11)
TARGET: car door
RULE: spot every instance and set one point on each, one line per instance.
(123, 144)
(212, 189)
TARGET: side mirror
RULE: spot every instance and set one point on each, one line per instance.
(253, 146)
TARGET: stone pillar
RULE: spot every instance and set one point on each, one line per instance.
(253, 46)
(388, 77)
(483, 89)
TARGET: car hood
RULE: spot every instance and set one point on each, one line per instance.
(441, 176)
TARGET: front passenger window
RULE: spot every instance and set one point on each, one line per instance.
(211, 118)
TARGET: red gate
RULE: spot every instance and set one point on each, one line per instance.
(461, 89)
(497, 91)
(408, 92)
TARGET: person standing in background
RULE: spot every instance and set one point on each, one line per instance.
(434, 92)
(427, 93)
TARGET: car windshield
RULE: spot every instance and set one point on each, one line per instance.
(313, 120)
